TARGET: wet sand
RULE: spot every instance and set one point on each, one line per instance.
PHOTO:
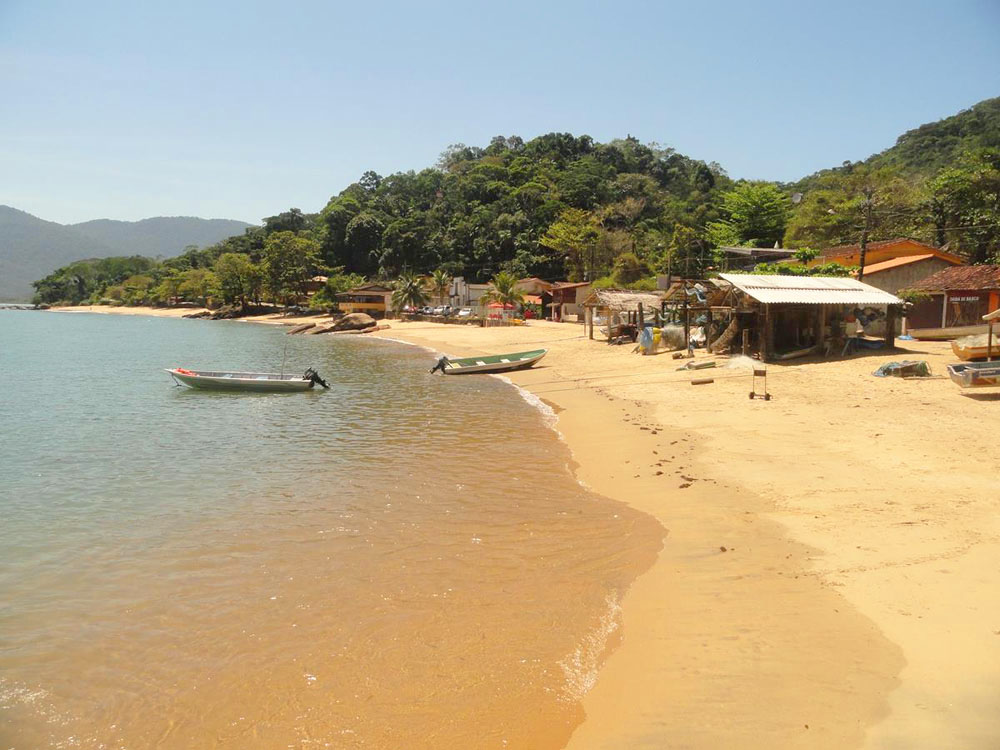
(830, 575)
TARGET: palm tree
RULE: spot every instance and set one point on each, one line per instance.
(504, 290)
(408, 291)
(440, 283)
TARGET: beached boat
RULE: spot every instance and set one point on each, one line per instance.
(489, 363)
(975, 374)
(975, 347)
(247, 381)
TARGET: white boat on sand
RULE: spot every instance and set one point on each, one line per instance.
(221, 380)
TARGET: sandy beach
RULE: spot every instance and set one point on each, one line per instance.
(830, 575)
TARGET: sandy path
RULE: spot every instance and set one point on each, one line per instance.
(856, 603)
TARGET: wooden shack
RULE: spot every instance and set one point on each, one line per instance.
(781, 317)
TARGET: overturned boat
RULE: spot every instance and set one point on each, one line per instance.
(221, 380)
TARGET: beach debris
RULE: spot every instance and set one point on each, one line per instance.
(702, 381)
(722, 549)
(908, 368)
(698, 365)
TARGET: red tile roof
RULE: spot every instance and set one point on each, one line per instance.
(831, 252)
(961, 277)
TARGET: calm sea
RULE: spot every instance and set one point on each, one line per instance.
(404, 560)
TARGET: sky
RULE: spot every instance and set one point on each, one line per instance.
(240, 110)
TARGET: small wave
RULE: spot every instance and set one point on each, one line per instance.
(583, 665)
(548, 415)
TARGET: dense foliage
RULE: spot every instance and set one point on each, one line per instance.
(566, 207)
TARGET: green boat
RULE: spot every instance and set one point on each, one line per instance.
(489, 363)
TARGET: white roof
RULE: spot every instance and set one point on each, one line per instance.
(809, 290)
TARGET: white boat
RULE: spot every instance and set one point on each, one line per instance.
(216, 380)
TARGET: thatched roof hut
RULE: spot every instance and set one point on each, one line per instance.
(620, 304)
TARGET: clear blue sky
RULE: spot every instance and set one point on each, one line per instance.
(242, 109)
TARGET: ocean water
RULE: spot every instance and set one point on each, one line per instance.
(404, 560)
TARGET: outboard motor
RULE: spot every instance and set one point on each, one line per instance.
(312, 375)
(442, 363)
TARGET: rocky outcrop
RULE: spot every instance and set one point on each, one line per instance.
(354, 322)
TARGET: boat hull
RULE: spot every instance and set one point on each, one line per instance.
(944, 334)
(975, 374)
(241, 381)
(493, 364)
(968, 353)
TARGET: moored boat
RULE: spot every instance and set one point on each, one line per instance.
(221, 380)
(975, 374)
(489, 363)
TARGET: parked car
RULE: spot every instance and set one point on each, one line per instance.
(465, 312)
(426, 310)
(442, 310)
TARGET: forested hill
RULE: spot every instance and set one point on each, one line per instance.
(931, 147)
(528, 207)
(924, 151)
(31, 247)
(563, 206)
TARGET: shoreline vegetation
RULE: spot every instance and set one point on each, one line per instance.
(828, 575)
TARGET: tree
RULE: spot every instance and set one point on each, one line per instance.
(408, 292)
(755, 215)
(440, 284)
(238, 278)
(503, 289)
(197, 285)
(574, 236)
(289, 262)
(965, 205)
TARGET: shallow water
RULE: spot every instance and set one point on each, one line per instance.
(404, 560)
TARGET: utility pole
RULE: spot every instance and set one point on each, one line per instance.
(866, 204)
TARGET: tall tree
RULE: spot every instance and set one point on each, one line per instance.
(755, 214)
(440, 284)
(408, 292)
(574, 236)
(503, 289)
(289, 261)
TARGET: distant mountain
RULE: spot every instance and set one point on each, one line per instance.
(31, 248)
(163, 235)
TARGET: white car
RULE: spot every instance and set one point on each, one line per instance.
(465, 312)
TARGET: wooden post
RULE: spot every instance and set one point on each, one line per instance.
(746, 342)
(609, 317)
(821, 333)
(642, 321)
(708, 331)
(890, 326)
(687, 316)
(767, 335)
(588, 317)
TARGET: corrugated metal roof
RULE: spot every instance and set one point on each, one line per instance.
(809, 290)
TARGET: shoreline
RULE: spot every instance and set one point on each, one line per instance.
(854, 604)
